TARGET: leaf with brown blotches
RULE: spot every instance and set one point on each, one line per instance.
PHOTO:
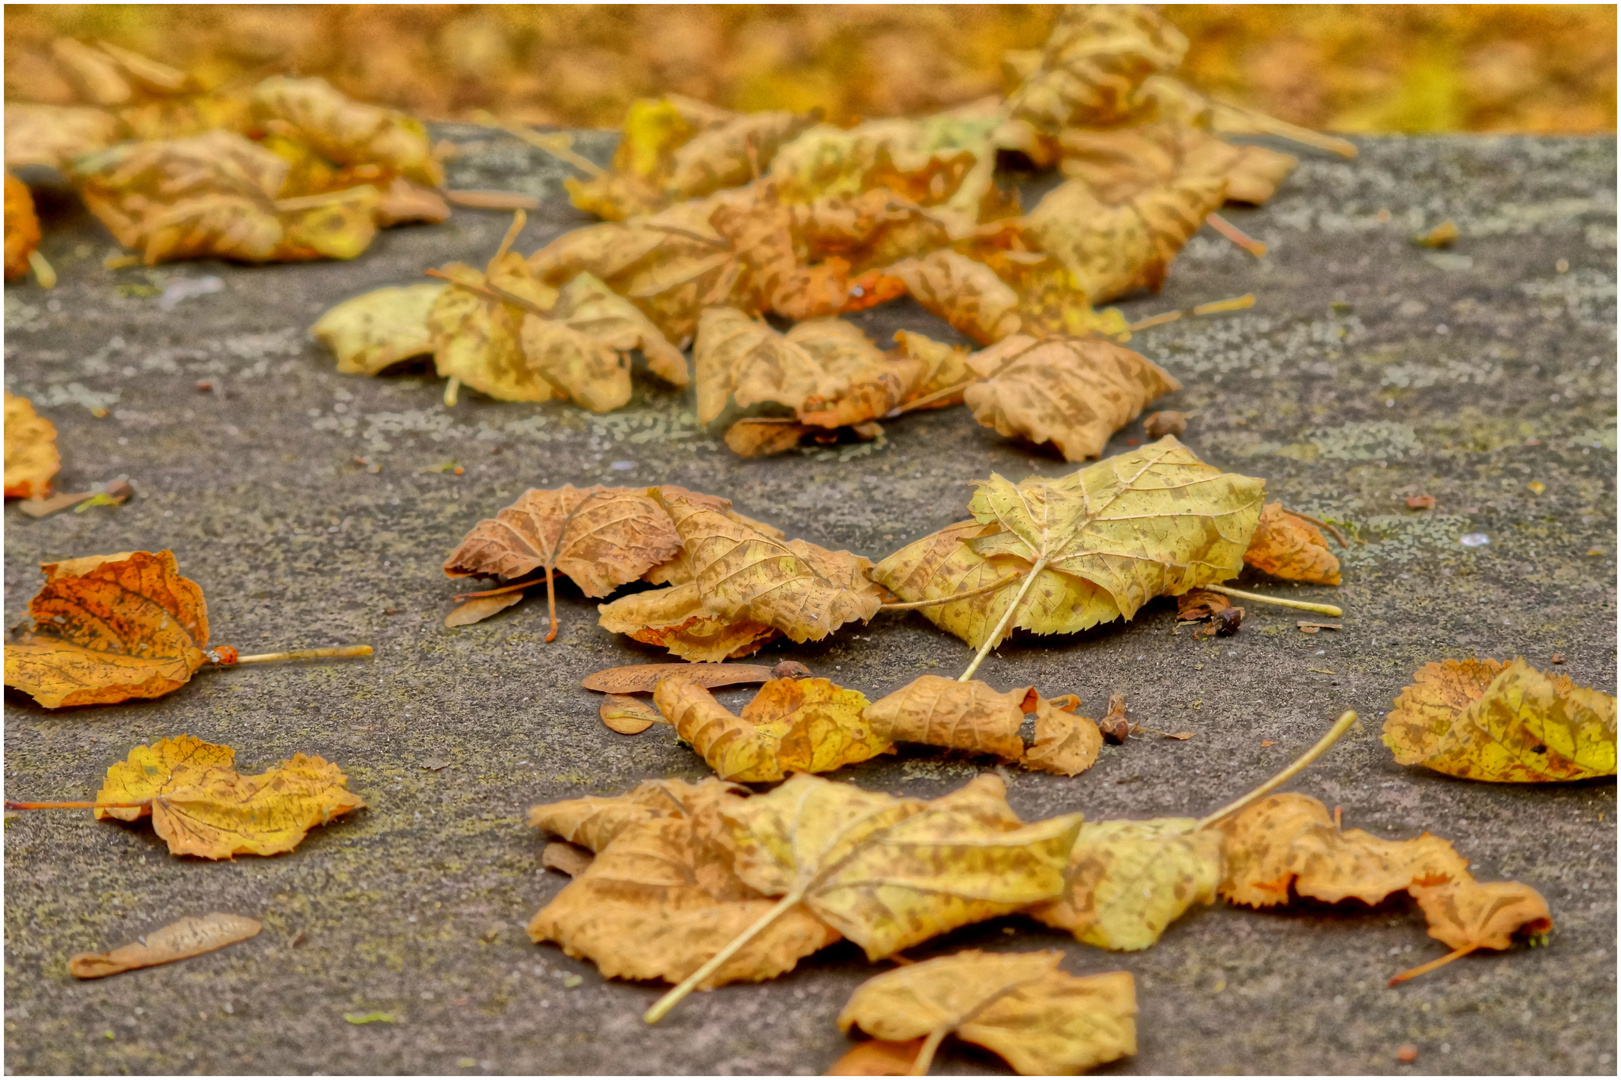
(31, 455)
(1470, 915)
(372, 143)
(593, 821)
(1093, 65)
(791, 725)
(877, 1057)
(643, 678)
(1073, 392)
(1122, 163)
(178, 941)
(676, 619)
(627, 715)
(109, 628)
(1129, 880)
(743, 362)
(1025, 291)
(378, 329)
(1291, 841)
(1065, 745)
(959, 715)
(1291, 548)
(1506, 723)
(661, 898)
(22, 228)
(1022, 1006)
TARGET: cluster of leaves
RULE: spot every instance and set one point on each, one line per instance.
(718, 219)
(289, 169)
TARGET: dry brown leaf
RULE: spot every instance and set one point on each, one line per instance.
(1291, 840)
(643, 678)
(1121, 163)
(371, 143)
(1114, 725)
(1023, 1006)
(744, 362)
(1092, 66)
(566, 858)
(593, 821)
(677, 619)
(109, 628)
(179, 940)
(1506, 723)
(960, 715)
(22, 228)
(54, 135)
(31, 455)
(627, 715)
(1291, 548)
(1071, 391)
(480, 608)
(791, 725)
(1469, 915)
(877, 1057)
(1066, 745)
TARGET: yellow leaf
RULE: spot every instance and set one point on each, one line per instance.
(627, 715)
(54, 135)
(930, 161)
(594, 821)
(345, 131)
(31, 455)
(178, 941)
(1121, 164)
(109, 628)
(676, 619)
(1022, 1006)
(1092, 66)
(960, 715)
(1291, 548)
(1129, 880)
(744, 361)
(1074, 392)
(378, 329)
(480, 608)
(791, 725)
(588, 306)
(877, 1057)
(1066, 745)
(1507, 723)
(201, 806)
(1470, 915)
(22, 230)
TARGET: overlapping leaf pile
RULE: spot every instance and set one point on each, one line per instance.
(290, 169)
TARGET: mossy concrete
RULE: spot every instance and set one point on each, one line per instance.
(1368, 370)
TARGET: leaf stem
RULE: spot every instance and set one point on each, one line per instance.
(76, 805)
(514, 587)
(1422, 969)
(453, 387)
(927, 399)
(663, 1005)
(551, 605)
(1007, 617)
(925, 1054)
(489, 292)
(336, 652)
(1341, 726)
(1261, 123)
(915, 604)
(559, 146)
(492, 200)
(1318, 522)
(1215, 307)
(1302, 605)
(1238, 236)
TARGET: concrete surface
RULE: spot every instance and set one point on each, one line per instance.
(1368, 370)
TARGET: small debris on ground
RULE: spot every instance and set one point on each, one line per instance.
(1557, 658)
(1314, 627)
(370, 1018)
(1443, 235)
(1407, 1053)
(1537, 487)
(1268, 742)
(1474, 540)
(1160, 424)
(434, 764)
(1114, 725)
(1421, 502)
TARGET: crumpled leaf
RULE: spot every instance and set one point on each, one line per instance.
(676, 148)
(1129, 880)
(22, 228)
(371, 143)
(676, 619)
(54, 135)
(1022, 1006)
(744, 361)
(1025, 291)
(201, 806)
(1074, 392)
(1065, 744)
(380, 328)
(627, 715)
(1290, 840)
(593, 821)
(1085, 537)
(661, 898)
(967, 716)
(1121, 163)
(791, 725)
(31, 455)
(180, 940)
(1093, 65)
(889, 873)
(1505, 723)
(109, 628)
(1470, 915)
(1291, 548)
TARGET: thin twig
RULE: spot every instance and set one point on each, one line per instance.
(1215, 307)
(670, 1000)
(1319, 522)
(1302, 605)
(559, 145)
(489, 292)
(1233, 233)
(336, 652)
(1341, 726)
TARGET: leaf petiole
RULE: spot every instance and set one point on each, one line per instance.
(1007, 617)
(1332, 736)
(925, 1054)
(1302, 605)
(335, 652)
(1423, 969)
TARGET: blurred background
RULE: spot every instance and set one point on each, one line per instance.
(1347, 68)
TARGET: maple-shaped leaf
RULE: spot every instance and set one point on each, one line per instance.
(1121, 163)
(593, 821)
(54, 135)
(201, 806)
(22, 228)
(1059, 556)
(31, 455)
(1073, 392)
(1022, 1006)
(674, 148)
(806, 592)
(676, 619)
(958, 715)
(1470, 915)
(1289, 547)
(179, 940)
(1065, 744)
(791, 725)
(1092, 66)
(1507, 723)
(378, 329)
(661, 898)
(108, 628)
(1129, 880)
(1291, 841)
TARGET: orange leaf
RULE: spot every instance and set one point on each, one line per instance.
(1288, 547)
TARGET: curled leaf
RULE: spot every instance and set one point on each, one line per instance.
(960, 715)
(1291, 548)
(378, 329)
(676, 619)
(1066, 745)
(627, 715)
(593, 821)
(31, 455)
(1093, 65)
(178, 941)
(1470, 915)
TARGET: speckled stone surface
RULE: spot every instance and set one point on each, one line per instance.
(1368, 370)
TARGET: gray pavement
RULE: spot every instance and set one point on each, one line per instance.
(1368, 370)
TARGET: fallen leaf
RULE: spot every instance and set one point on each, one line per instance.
(1198, 604)
(1470, 915)
(1025, 291)
(677, 619)
(1070, 391)
(627, 715)
(1291, 548)
(1421, 502)
(1022, 1006)
(482, 607)
(566, 858)
(178, 941)
(1157, 425)
(31, 455)
(1129, 880)
(1074, 552)
(1066, 745)
(593, 821)
(1291, 840)
(1442, 236)
(877, 1057)
(203, 807)
(642, 678)
(368, 142)
(109, 628)
(54, 135)
(22, 227)
(380, 328)
(744, 362)
(1092, 66)
(1505, 723)
(1123, 163)
(959, 715)
(791, 725)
